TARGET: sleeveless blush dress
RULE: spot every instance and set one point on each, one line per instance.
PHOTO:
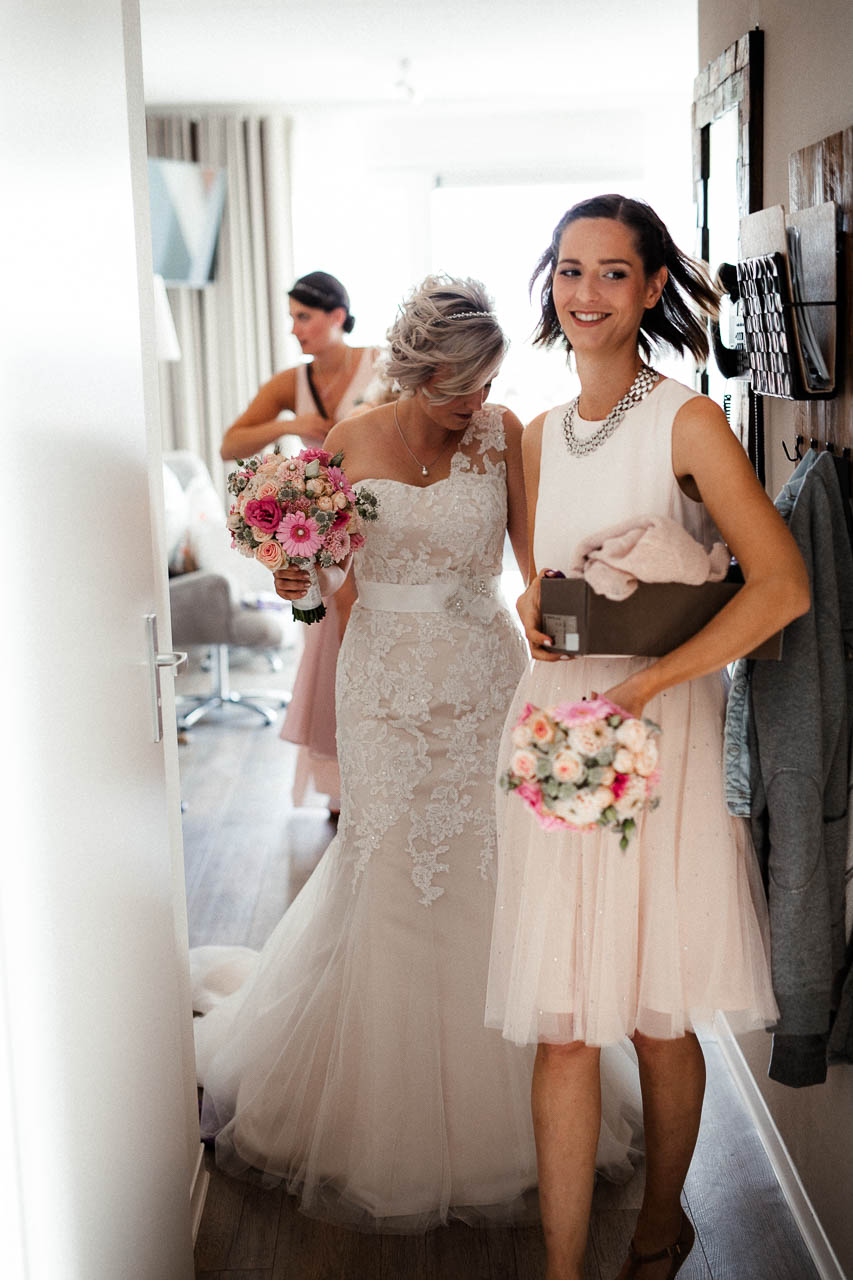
(591, 943)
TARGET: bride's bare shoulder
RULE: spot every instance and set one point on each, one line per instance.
(359, 437)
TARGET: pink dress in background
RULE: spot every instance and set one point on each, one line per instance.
(589, 942)
(310, 719)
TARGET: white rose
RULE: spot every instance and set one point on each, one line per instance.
(623, 761)
(521, 736)
(646, 759)
(632, 734)
(589, 739)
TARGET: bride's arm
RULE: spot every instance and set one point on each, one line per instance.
(529, 602)
(516, 524)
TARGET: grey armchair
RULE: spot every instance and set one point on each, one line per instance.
(203, 613)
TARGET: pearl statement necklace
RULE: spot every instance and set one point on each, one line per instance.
(641, 386)
(423, 466)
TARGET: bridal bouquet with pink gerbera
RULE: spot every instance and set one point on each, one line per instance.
(301, 511)
(583, 765)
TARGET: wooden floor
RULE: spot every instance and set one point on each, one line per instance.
(240, 878)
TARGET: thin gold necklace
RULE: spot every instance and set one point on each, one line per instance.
(423, 465)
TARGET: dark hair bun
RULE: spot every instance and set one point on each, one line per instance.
(326, 293)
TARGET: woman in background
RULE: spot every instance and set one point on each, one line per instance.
(592, 944)
(319, 393)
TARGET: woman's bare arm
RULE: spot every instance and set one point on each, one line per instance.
(516, 524)
(709, 462)
(529, 603)
(259, 425)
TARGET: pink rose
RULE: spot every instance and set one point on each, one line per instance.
(270, 554)
(263, 513)
(356, 541)
(308, 455)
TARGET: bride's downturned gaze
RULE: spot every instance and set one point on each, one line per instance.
(352, 1063)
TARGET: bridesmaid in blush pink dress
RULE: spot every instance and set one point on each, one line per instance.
(319, 393)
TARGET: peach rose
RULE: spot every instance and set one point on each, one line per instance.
(270, 554)
(542, 727)
(325, 503)
(340, 500)
(523, 763)
(269, 489)
(567, 767)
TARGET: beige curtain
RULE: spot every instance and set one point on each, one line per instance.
(234, 334)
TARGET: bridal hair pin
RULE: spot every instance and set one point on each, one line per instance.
(464, 315)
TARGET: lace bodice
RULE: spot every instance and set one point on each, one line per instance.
(422, 689)
(454, 526)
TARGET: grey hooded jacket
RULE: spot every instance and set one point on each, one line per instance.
(799, 725)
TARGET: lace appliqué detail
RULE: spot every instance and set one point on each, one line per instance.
(422, 696)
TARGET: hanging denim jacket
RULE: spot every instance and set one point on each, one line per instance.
(736, 734)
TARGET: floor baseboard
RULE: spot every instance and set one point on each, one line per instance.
(198, 1191)
(808, 1223)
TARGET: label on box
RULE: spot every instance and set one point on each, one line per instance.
(563, 630)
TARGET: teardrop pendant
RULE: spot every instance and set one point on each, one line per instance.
(424, 471)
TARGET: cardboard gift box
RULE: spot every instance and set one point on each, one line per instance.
(656, 618)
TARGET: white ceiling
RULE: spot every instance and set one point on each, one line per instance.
(316, 52)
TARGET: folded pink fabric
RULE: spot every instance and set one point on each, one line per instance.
(645, 549)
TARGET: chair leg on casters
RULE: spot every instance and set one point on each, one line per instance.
(222, 694)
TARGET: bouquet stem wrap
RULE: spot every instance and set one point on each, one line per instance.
(310, 607)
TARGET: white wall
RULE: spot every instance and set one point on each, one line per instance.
(93, 1012)
(363, 178)
(808, 53)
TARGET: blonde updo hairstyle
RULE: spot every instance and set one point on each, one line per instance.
(445, 324)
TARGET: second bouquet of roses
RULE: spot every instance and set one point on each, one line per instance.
(301, 511)
(583, 765)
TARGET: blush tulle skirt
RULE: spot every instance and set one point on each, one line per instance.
(591, 943)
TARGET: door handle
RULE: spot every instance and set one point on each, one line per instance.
(156, 662)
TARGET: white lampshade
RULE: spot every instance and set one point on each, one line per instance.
(168, 347)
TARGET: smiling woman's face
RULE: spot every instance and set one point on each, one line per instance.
(600, 286)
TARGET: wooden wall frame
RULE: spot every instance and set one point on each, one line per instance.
(734, 79)
(824, 171)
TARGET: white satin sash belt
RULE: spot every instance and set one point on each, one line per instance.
(478, 597)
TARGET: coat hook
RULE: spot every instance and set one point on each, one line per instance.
(795, 456)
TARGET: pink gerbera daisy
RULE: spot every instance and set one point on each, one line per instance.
(299, 535)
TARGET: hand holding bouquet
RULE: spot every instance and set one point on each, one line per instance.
(298, 511)
(582, 765)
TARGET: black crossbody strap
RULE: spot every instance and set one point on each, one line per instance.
(315, 395)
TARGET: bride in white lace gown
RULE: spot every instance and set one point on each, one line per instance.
(353, 1062)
